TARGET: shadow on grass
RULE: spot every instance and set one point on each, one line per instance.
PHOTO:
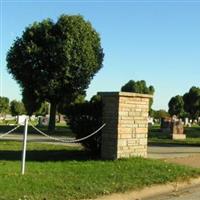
(47, 155)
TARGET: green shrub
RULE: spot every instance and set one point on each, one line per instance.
(84, 118)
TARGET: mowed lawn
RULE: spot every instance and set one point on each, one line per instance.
(57, 172)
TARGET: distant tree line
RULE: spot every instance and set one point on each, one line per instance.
(15, 108)
(187, 105)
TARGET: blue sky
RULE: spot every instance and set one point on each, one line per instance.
(156, 41)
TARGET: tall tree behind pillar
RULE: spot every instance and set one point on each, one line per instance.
(139, 87)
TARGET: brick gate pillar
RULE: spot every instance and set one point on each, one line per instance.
(126, 118)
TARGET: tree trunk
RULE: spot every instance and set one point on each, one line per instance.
(52, 120)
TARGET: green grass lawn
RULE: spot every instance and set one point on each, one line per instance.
(155, 136)
(60, 173)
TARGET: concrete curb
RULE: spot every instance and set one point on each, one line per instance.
(153, 191)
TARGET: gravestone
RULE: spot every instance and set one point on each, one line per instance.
(126, 118)
(186, 121)
(178, 130)
(150, 121)
(21, 119)
(165, 125)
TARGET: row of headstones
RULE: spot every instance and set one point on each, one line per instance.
(187, 122)
(42, 120)
(7, 117)
(19, 119)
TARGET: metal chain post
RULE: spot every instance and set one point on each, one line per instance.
(24, 146)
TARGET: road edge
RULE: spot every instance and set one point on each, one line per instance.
(153, 191)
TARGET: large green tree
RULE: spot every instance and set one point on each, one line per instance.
(4, 105)
(55, 61)
(176, 106)
(192, 102)
(139, 87)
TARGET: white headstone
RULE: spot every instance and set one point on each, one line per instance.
(186, 121)
(21, 119)
(150, 121)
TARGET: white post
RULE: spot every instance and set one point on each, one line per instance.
(24, 146)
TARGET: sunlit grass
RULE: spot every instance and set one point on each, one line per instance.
(61, 173)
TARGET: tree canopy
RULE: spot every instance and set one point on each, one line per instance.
(4, 105)
(43, 110)
(139, 87)
(176, 106)
(55, 61)
(187, 105)
(192, 102)
(17, 108)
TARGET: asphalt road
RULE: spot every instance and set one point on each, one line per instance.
(172, 151)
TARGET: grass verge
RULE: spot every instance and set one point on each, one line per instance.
(156, 136)
(62, 173)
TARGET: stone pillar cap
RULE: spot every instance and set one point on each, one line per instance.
(125, 94)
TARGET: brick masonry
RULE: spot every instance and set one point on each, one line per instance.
(126, 118)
